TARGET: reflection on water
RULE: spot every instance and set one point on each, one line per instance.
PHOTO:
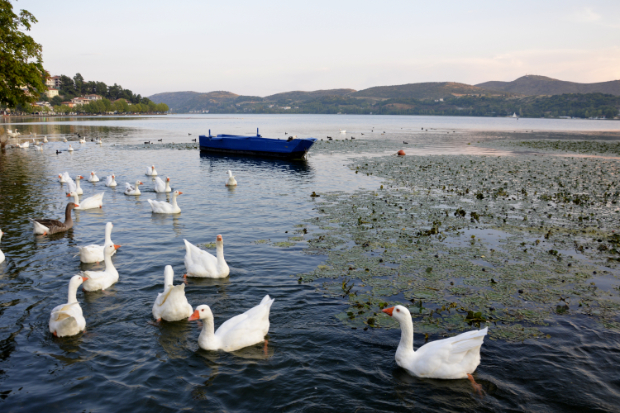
(313, 363)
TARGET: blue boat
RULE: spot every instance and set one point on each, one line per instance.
(291, 148)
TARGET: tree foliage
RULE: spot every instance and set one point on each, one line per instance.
(21, 63)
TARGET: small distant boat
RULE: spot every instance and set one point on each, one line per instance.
(343, 131)
(514, 115)
(291, 148)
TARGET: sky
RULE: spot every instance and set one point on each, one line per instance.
(264, 47)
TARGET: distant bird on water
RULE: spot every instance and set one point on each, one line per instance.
(194, 140)
(189, 134)
(406, 143)
(57, 151)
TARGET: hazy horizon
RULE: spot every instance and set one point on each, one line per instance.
(260, 49)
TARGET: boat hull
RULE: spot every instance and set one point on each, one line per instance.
(256, 146)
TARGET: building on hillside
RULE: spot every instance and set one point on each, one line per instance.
(51, 92)
(121, 99)
(92, 97)
(68, 103)
(79, 101)
(53, 82)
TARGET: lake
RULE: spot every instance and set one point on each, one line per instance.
(315, 361)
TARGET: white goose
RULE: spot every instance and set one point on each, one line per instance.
(1, 253)
(62, 178)
(150, 171)
(67, 319)
(111, 181)
(163, 207)
(94, 253)
(24, 145)
(240, 331)
(45, 139)
(231, 180)
(70, 148)
(199, 263)
(82, 140)
(99, 141)
(100, 280)
(160, 186)
(95, 201)
(78, 189)
(171, 305)
(64, 140)
(131, 190)
(93, 177)
(451, 358)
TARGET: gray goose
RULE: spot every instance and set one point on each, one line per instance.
(52, 226)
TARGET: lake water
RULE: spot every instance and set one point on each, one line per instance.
(125, 362)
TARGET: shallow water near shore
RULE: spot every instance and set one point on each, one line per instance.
(314, 361)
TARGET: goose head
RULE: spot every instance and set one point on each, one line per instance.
(76, 281)
(167, 179)
(177, 193)
(77, 178)
(399, 313)
(219, 240)
(202, 312)
(110, 248)
(92, 174)
(60, 176)
(139, 182)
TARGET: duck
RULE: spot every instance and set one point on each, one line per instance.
(451, 358)
(160, 186)
(70, 148)
(53, 226)
(95, 201)
(94, 253)
(93, 177)
(78, 189)
(171, 305)
(111, 181)
(1, 253)
(231, 180)
(199, 263)
(67, 319)
(100, 280)
(236, 333)
(150, 171)
(131, 190)
(163, 207)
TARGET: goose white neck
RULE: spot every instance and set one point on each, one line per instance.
(76, 200)
(406, 336)
(108, 234)
(72, 298)
(207, 335)
(219, 248)
(107, 258)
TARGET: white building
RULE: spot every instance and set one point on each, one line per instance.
(51, 92)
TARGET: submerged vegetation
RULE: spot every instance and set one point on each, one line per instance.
(511, 242)
(587, 147)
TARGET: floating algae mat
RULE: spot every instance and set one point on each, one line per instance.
(583, 146)
(467, 241)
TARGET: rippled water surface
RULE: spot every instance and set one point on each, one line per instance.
(125, 362)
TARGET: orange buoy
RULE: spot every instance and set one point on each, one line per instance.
(401, 153)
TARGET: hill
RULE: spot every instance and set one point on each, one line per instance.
(429, 90)
(194, 101)
(533, 85)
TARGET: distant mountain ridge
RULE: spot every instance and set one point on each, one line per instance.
(529, 85)
(533, 85)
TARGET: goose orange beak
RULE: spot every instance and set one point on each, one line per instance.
(168, 179)
(116, 246)
(180, 193)
(68, 195)
(194, 316)
(84, 278)
(219, 238)
(141, 183)
(388, 311)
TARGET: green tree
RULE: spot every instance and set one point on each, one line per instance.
(21, 63)
(79, 84)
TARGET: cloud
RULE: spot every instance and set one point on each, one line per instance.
(584, 15)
